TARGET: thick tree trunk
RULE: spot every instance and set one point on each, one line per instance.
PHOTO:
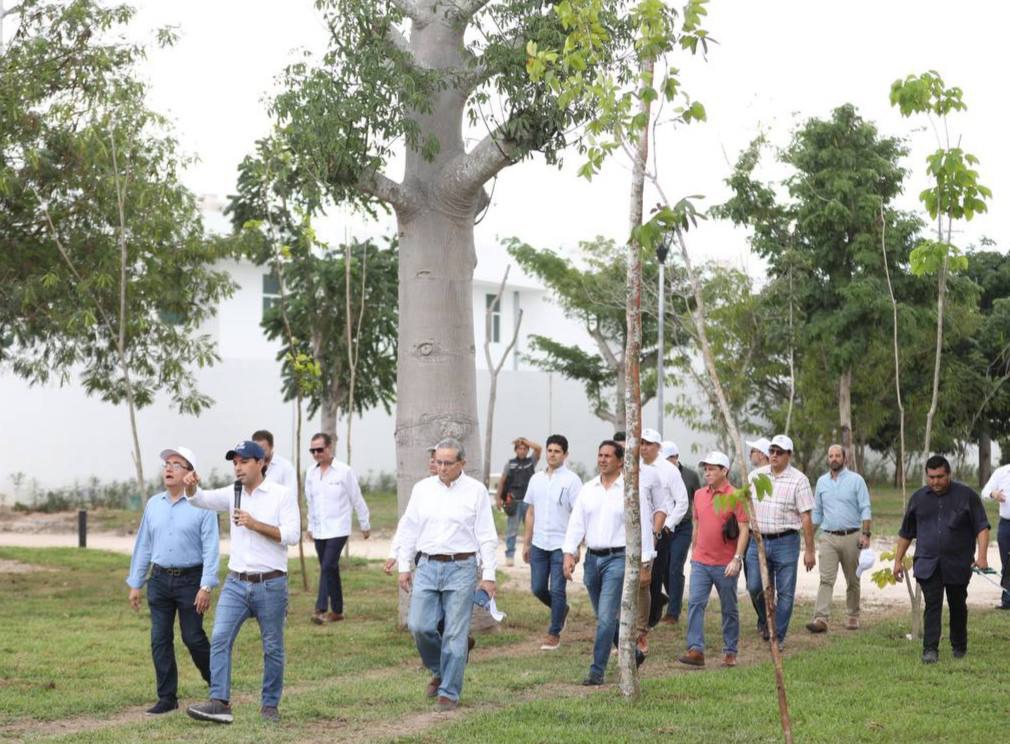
(984, 455)
(845, 416)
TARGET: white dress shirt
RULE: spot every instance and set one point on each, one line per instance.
(443, 520)
(552, 496)
(653, 489)
(271, 503)
(999, 481)
(282, 471)
(598, 518)
(329, 498)
(676, 490)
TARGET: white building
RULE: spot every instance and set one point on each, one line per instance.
(58, 436)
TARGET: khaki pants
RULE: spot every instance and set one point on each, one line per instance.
(838, 550)
(644, 597)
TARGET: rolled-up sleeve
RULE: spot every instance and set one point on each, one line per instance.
(211, 549)
(291, 521)
(487, 537)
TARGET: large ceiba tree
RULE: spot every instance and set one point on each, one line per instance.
(398, 86)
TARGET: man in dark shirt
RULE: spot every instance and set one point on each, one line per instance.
(946, 519)
(512, 490)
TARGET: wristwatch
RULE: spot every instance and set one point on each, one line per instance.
(206, 589)
(738, 558)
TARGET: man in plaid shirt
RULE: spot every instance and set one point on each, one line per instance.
(780, 518)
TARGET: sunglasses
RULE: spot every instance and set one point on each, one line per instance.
(316, 450)
(776, 451)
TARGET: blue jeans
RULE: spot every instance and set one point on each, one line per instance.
(680, 544)
(783, 555)
(547, 580)
(512, 523)
(166, 596)
(266, 601)
(1003, 540)
(703, 578)
(604, 579)
(328, 552)
(443, 590)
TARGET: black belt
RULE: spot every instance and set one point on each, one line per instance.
(257, 578)
(448, 557)
(777, 535)
(842, 532)
(184, 571)
(605, 551)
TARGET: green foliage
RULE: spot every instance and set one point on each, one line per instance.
(84, 164)
(885, 576)
(928, 257)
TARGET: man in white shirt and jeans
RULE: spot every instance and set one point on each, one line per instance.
(331, 491)
(448, 520)
(264, 523)
(598, 519)
(550, 496)
(998, 489)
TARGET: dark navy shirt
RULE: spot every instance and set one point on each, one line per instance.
(944, 528)
(517, 476)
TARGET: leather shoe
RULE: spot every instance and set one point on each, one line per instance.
(817, 626)
(334, 617)
(432, 689)
(162, 706)
(729, 660)
(959, 653)
(592, 681)
(642, 644)
(852, 623)
(930, 656)
(639, 658)
(446, 704)
(693, 658)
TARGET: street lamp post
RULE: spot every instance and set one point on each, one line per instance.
(662, 249)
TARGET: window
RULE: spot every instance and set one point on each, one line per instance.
(493, 307)
(271, 291)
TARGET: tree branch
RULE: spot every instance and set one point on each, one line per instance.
(414, 11)
(385, 189)
(472, 170)
(468, 8)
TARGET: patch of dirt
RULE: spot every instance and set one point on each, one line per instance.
(17, 567)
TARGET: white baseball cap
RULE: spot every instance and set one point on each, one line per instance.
(866, 560)
(761, 445)
(782, 442)
(184, 452)
(670, 449)
(716, 458)
(651, 435)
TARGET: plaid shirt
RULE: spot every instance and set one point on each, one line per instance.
(791, 496)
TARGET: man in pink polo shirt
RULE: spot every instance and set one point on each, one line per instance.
(717, 545)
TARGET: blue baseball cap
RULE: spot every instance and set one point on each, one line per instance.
(246, 450)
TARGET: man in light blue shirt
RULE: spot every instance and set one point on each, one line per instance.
(179, 544)
(550, 496)
(842, 510)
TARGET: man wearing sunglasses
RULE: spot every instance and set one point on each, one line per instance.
(780, 518)
(179, 544)
(331, 491)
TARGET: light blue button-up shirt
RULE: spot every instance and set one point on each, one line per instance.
(175, 535)
(841, 503)
(552, 498)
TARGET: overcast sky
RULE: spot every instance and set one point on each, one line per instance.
(777, 63)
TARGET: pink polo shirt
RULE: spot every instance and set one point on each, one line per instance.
(709, 547)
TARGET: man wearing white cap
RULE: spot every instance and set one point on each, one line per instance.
(779, 518)
(179, 544)
(651, 449)
(717, 545)
(680, 537)
(758, 451)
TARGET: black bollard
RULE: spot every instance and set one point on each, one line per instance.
(82, 528)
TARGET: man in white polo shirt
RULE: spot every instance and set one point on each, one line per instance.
(550, 495)
(448, 521)
(265, 520)
(331, 491)
(598, 519)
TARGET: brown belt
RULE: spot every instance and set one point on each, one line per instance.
(448, 558)
(257, 578)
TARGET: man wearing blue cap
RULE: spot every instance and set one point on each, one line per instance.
(265, 520)
(179, 545)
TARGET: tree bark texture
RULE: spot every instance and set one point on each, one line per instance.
(984, 455)
(845, 416)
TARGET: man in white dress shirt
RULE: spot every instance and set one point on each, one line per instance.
(998, 489)
(278, 470)
(598, 519)
(264, 523)
(448, 521)
(550, 495)
(331, 491)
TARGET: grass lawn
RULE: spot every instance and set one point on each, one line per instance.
(75, 666)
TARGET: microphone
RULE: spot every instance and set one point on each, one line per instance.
(238, 495)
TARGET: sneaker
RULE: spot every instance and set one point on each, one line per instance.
(432, 689)
(930, 656)
(446, 704)
(817, 626)
(551, 643)
(729, 660)
(162, 706)
(318, 617)
(852, 623)
(215, 711)
(334, 617)
(592, 681)
(959, 653)
(270, 713)
(693, 658)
